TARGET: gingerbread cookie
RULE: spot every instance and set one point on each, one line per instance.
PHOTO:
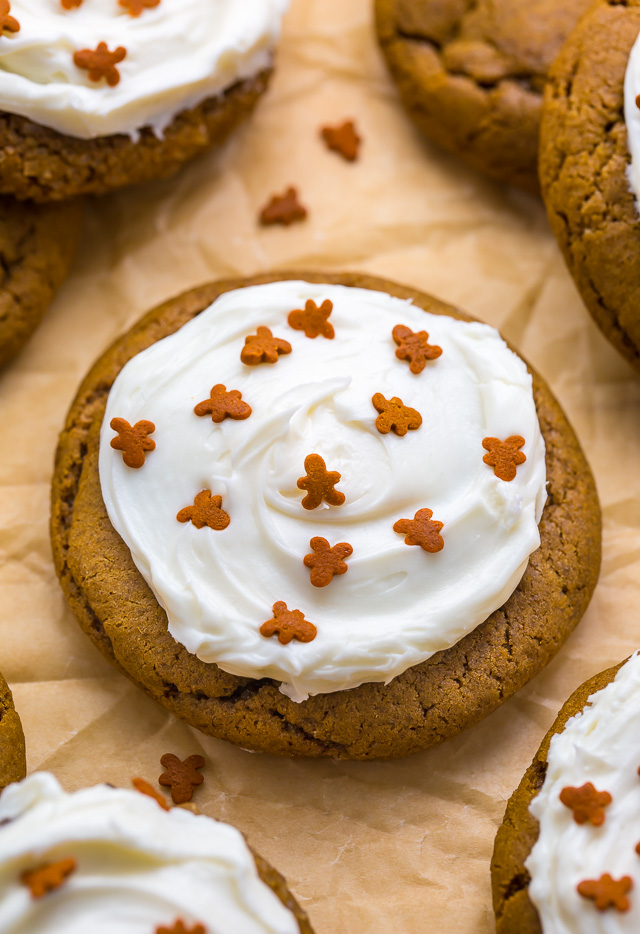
(566, 855)
(97, 96)
(590, 166)
(37, 244)
(13, 765)
(471, 74)
(106, 855)
(351, 591)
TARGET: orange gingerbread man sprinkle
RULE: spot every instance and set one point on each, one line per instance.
(8, 23)
(48, 878)
(313, 320)
(179, 927)
(504, 456)
(135, 7)
(422, 531)
(586, 803)
(326, 561)
(319, 483)
(223, 404)
(414, 347)
(146, 789)
(395, 416)
(263, 347)
(342, 139)
(283, 209)
(607, 892)
(133, 441)
(206, 510)
(287, 625)
(101, 63)
(181, 777)
(71, 4)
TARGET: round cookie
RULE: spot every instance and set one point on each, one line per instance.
(13, 766)
(420, 707)
(105, 854)
(471, 74)
(518, 833)
(584, 160)
(37, 245)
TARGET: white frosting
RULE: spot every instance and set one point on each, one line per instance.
(632, 117)
(601, 745)
(138, 867)
(178, 54)
(396, 605)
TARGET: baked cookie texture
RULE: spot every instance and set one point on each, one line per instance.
(515, 913)
(278, 883)
(37, 245)
(583, 164)
(471, 74)
(427, 703)
(38, 163)
(13, 766)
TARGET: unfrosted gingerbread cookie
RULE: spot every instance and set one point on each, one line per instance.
(366, 534)
(12, 755)
(471, 74)
(98, 94)
(590, 166)
(566, 855)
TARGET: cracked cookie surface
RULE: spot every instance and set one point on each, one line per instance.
(421, 707)
(471, 74)
(37, 245)
(583, 166)
(13, 766)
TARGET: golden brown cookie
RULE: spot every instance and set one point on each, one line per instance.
(13, 766)
(514, 911)
(471, 74)
(583, 164)
(38, 163)
(278, 883)
(421, 707)
(37, 245)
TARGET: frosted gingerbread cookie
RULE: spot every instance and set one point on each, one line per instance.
(106, 859)
(12, 754)
(567, 856)
(590, 166)
(97, 94)
(322, 517)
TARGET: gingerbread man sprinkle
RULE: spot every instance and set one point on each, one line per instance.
(607, 892)
(342, 139)
(8, 23)
(101, 63)
(287, 625)
(179, 927)
(326, 561)
(133, 441)
(313, 321)
(414, 347)
(135, 7)
(263, 347)
(586, 803)
(71, 4)
(146, 789)
(504, 456)
(395, 416)
(48, 878)
(421, 530)
(283, 209)
(319, 483)
(181, 777)
(206, 510)
(223, 404)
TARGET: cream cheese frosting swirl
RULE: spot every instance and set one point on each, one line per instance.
(601, 745)
(396, 605)
(137, 867)
(632, 118)
(178, 54)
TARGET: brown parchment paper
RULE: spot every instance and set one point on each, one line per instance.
(367, 848)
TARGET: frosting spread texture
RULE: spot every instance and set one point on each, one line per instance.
(632, 117)
(137, 867)
(178, 53)
(396, 605)
(601, 745)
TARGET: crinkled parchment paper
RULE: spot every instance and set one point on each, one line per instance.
(367, 848)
